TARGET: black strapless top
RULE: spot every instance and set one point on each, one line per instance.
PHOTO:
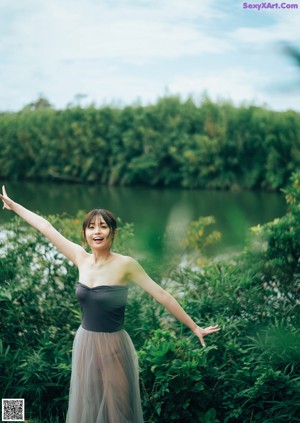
(103, 307)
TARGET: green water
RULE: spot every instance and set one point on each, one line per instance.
(151, 210)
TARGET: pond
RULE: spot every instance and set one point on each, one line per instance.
(152, 210)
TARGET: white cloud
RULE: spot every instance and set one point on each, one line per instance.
(109, 48)
(229, 84)
(241, 86)
(132, 33)
(284, 28)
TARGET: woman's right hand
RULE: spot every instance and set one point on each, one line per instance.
(72, 251)
(7, 202)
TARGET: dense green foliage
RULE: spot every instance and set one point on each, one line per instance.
(249, 372)
(171, 143)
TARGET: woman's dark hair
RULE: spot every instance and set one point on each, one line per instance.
(107, 216)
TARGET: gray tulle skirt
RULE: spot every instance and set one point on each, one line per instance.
(104, 382)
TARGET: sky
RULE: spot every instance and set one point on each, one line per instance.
(123, 52)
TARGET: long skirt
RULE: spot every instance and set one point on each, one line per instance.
(104, 381)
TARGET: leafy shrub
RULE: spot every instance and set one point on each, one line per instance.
(173, 369)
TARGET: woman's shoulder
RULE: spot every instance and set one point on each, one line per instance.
(125, 260)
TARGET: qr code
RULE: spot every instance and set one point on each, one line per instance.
(13, 410)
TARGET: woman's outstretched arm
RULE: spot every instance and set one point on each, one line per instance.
(68, 248)
(138, 275)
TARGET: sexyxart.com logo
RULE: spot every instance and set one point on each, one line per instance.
(262, 6)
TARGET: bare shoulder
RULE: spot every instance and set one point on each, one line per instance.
(124, 260)
(128, 264)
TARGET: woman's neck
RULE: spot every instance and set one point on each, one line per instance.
(101, 257)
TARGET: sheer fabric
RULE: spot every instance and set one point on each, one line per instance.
(104, 384)
(104, 381)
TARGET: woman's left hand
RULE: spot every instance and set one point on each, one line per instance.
(201, 332)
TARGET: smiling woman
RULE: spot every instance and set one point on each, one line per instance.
(98, 225)
(104, 381)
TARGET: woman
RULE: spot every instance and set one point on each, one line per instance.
(104, 382)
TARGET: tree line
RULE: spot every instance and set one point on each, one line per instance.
(172, 143)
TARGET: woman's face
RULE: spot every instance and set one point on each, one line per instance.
(98, 234)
